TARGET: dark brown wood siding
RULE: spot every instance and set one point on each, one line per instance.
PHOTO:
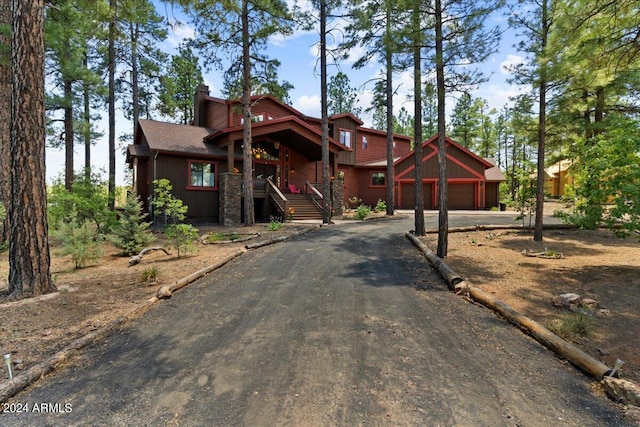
(346, 123)
(203, 204)
(492, 195)
(217, 115)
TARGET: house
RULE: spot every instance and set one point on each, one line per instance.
(203, 161)
(558, 177)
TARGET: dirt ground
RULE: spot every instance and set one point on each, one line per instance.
(93, 296)
(596, 265)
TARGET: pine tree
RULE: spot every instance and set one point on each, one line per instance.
(132, 232)
(29, 258)
(179, 83)
(342, 97)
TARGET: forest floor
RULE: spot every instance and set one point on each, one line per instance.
(595, 265)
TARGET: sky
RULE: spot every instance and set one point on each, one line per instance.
(298, 55)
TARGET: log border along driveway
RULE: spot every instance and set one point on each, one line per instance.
(347, 325)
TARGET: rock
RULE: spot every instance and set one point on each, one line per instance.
(164, 293)
(603, 313)
(603, 352)
(633, 413)
(622, 391)
(589, 301)
(570, 298)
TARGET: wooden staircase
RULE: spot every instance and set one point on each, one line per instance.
(303, 207)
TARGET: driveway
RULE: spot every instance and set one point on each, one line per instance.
(347, 325)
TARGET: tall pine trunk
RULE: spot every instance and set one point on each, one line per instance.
(326, 184)
(542, 123)
(135, 91)
(247, 158)
(68, 134)
(417, 125)
(87, 122)
(5, 111)
(29, 258)
(443, 193)
(388, 52)
(112, 104)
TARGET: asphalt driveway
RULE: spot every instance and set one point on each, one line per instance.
(347, 325)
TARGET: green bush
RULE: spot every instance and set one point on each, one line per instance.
(183, 237)
(362, 212)
(88, 199)
(171, 209)
(131, 234)
(381, 206)
(81, 241)
(274, 224)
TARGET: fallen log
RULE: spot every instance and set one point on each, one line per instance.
(137, 258)
(550, 340)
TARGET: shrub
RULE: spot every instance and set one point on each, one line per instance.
(80, 241)
(183, 236)
(88, 200)
(381, 206)
(131, 234)
(149, 274)
(362, 212)
(274, 224)
(574, 325)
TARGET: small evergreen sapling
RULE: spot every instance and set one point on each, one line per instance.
(132, 234)
(174, 212)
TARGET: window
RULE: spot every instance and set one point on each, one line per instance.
(378, 179)
(202, 175)
(365, 145)
(345, 137)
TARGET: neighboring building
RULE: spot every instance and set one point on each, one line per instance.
(203, 162)
(558, 177)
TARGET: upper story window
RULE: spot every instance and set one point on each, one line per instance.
(378, 179)
(257, 118)
(365, 143)
(345, 137)
(202, 175)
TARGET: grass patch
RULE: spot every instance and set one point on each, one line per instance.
(149, 274)
(573, 326)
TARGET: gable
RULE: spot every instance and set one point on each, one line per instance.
(461, 163)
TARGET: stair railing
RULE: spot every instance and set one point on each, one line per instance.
(314, 195)
(278, 198)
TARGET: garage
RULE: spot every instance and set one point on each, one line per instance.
(407, 199)
(461, 196)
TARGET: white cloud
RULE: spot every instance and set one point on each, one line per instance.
(309, 105)
(179, 32)
(510, 62)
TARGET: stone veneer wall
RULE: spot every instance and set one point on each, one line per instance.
(337, 197)
(230, 198)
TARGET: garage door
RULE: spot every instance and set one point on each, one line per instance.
(461, 196)
(407, 200)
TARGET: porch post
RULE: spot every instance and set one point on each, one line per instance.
(230, 156)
